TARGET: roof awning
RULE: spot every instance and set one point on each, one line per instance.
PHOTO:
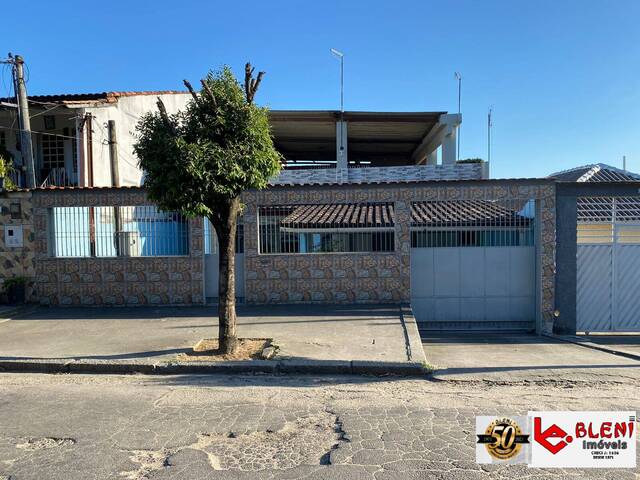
(344, 217)
(461, 213)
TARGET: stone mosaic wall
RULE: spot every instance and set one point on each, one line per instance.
(17, 262)
(320, 278)
(114, 281)
(377, 277)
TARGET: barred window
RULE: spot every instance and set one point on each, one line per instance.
(326, 228)
(52, 152)
(472, 223)
(129, 231)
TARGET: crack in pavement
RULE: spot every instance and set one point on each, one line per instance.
(308, 440)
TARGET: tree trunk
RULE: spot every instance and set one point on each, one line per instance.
(225, 227)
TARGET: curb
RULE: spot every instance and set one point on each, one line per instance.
(278, 367)
(594, 346)
(7, 313)
(414, 347)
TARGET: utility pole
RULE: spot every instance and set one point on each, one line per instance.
(26, 145)
(115, 182)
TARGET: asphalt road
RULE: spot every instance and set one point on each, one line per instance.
(135, 427)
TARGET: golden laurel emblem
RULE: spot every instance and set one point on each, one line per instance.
(503, 439)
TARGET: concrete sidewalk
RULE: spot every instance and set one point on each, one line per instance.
(522, 358)
(311, 337)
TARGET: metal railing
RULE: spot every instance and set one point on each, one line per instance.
(128, 231)
(59, 177)
(326, 228)
(606, 220)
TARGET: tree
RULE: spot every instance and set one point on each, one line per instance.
(199, 162)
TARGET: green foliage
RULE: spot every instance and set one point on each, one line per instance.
(6, 168)
(218, 147)
(14, 281)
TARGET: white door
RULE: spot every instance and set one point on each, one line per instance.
(212, 259)
(474, 288)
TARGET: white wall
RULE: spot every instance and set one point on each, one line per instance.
(126, 112)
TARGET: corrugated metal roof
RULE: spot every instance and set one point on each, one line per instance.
(465, 213)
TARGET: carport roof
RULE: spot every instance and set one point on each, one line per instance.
(423, 214)
(465, 213)
(341, 215)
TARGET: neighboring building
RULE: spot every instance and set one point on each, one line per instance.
(598, 242)
(70, 135)
(71, 141)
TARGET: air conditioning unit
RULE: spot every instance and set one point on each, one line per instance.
(128, 244)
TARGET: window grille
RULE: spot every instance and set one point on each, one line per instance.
(129, 231)
(604, 220)
(52, 152)
(211, 239)
(472, 223)
(326, 228)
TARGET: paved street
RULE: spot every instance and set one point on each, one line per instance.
(189, 427)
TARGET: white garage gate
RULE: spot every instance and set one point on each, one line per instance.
(473, 265)
(608, 264)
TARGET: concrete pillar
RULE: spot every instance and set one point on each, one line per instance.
(449, 145)
(342, 160)
(432, 158)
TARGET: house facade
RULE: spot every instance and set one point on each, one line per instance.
(370, 207)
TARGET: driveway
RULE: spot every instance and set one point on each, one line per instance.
(516, 358)
(314, 332)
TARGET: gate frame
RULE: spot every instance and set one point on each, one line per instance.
(567, 194)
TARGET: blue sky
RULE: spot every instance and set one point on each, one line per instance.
(562, 76)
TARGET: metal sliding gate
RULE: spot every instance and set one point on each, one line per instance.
(608, 264)
(473, 265)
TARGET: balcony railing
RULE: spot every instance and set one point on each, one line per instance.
(58, 177)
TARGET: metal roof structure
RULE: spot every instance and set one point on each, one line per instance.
(598, 172)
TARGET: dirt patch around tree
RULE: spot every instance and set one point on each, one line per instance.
(206, 350)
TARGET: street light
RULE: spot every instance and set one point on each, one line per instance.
(459, 78)
(340, 55)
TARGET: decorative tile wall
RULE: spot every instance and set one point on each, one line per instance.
(119, 280)
(17, 261)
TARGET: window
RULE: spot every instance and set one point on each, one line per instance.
(327, 228)
(130, 231)
(52, 152)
